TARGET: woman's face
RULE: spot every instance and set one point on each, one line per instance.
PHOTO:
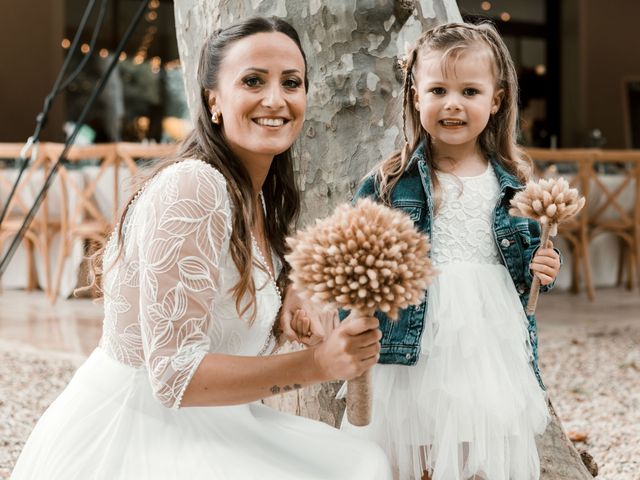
(260, 96)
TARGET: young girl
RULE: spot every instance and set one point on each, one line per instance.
(461, 397)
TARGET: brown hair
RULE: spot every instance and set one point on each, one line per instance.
(498, 137)
(206, 142)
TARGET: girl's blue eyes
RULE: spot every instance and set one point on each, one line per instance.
(255, 81)
(467, 92)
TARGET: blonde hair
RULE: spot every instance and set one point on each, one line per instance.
(498, 137)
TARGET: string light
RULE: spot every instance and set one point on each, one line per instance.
(155, 64)
(540, 69)
(138, 59)
(66, 43)
(150, 32)
(122, 57)
(104, 53)
(85, 48)
(505, 16)
(486, 6)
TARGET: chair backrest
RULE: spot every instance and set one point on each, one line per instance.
(78, 187)
(615, 194)
(31, 182)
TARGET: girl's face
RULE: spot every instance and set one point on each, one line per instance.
(260, 96)
(455, 102)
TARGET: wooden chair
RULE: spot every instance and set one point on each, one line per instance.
(618, 208)
(575, 231)
(37, 237)
(82, 219)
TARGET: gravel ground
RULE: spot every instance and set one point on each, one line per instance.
(29, 381)
(593, 378)
(592, 374)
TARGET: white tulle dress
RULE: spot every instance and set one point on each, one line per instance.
(472, 404)
(167, 304)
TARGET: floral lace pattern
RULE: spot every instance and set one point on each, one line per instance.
(167, 298)
(463, 226)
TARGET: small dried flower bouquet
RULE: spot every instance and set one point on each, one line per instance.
(550, 202)
(363, 258)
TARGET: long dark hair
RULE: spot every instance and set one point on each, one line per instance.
(206, 142)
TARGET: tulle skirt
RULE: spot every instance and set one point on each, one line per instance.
(107, 425)
(472, 404)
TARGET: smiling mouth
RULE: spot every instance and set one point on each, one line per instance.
(270, 122)
(452, 123)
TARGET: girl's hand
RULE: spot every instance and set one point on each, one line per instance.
(299, 326)
(308, 330)
(546, 264)
(350, 349)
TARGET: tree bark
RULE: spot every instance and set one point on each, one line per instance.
(353, 121)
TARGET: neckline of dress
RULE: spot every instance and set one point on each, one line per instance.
(467, 177)
(260, 254)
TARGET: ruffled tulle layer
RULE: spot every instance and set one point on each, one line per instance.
(107, 425)
(472, 404)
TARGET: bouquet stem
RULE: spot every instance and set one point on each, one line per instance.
(535, 284)
(359, 399)
(360, 393)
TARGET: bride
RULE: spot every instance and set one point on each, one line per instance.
(191, 296)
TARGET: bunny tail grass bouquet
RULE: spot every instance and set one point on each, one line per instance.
(550, 202)
(363, 258)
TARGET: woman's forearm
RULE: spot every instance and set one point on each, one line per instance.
(231, 379)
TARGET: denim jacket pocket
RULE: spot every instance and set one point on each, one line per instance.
(414, 210)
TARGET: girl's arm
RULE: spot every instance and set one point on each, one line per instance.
(229, 380)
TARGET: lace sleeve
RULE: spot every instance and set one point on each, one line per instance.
(183, 229)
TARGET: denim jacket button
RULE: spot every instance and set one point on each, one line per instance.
(408, 356)
(521, 289)
(505, 242)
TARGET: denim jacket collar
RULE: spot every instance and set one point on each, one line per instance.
(505, 179)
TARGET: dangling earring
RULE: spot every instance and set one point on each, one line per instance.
(417, 106)
(494, 110)
(215, 118)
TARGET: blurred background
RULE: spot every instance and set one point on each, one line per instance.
(578, 62)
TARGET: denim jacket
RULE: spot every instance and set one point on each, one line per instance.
(517, 240)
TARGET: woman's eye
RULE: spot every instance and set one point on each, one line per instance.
(252, 81)
(292, 83)
(470, 92)
(438, 91)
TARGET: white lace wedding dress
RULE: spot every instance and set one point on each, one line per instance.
(167, 304)
(472, 404)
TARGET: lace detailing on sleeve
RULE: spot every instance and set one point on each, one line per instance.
(183, 222)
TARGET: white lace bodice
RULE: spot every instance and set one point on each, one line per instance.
(167, 300)
(462, 229)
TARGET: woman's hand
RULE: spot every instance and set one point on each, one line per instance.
(350, 349)
(546, 264)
